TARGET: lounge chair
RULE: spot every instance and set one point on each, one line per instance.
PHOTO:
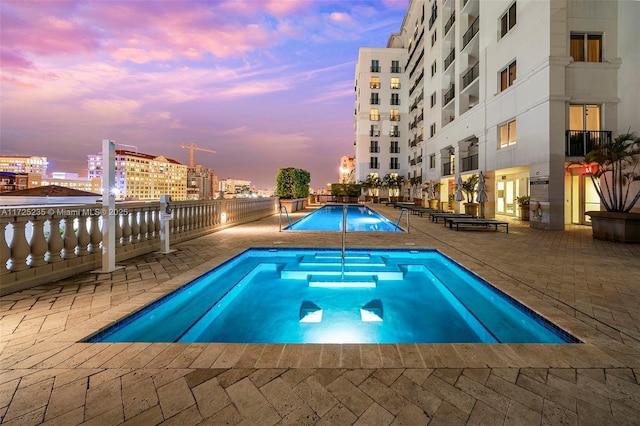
(485, 223)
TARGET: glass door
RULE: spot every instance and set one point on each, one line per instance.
(584, 198)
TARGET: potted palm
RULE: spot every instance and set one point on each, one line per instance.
(469, 189)
(615, 175)
(523, 202)
(435, 193)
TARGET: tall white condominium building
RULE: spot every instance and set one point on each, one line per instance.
(144, 176)
(514, 89)
(30, 165)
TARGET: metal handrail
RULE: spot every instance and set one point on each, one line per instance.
(280, 217)
(402, 210)
(344, 236)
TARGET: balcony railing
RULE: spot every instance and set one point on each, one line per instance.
(64, 240)
(469, 163)
(374, 101)
(449, 23)
(394, 133)
(374, 149)
(449, 95)
(375, 69)
(580, 142)
(396, 69)
(434, 15)
(470, 75)
(471, 32)
(449, 59)
(447, 169)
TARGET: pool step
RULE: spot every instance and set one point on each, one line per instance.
(336, 260)
(303, 272)
(346, 281)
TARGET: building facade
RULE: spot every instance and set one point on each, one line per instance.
(141, 176)
(517, 90)
(30, 165)
(202, 183)
(347, 169)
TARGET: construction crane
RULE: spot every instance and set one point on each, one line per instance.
(192, 148)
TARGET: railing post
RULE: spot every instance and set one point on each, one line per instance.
(19, 245)
(38, 242)
(95, 236)
(70, 240)
(54, 241)
(5, 250)
(83, 237)
(126, 229)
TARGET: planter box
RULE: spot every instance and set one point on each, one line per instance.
(525, 212)
(433, 204)
(615, 226)
(471, 208)
(294, 204)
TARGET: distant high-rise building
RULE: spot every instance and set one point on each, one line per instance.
(232, 188)
(30, 165)
(143, 176)
(347, 168)
(517, 90)
(202, 183)
(71, 180)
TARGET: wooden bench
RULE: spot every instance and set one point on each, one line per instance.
(475, 222)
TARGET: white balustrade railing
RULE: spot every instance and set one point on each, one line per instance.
(44, 244)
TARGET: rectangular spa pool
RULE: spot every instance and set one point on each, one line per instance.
(359, 219)
(296, 295)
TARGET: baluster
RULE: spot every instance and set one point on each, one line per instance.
(95, 234)
(83, 237)
(157, 224)
(191, 218)
(126, 229)
(118, 230)
(144, 229)
(182, 222)
(19, 245)
(5, 250)
(69, 238)
(54, 240)
(39, 244)
(135, 227)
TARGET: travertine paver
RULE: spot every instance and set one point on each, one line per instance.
(588, 287)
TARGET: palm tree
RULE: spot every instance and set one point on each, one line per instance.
(469, 187)
(616, 167)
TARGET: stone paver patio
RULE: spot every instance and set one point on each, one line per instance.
(590, 288)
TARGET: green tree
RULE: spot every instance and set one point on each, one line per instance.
(292, 183)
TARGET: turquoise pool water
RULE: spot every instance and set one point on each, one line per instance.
(359, 219)
(309, 296)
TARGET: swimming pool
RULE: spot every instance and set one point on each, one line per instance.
(296, 295)
(359, 219)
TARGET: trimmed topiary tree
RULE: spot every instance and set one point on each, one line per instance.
(292, 183)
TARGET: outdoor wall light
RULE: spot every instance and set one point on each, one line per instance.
(223, 217)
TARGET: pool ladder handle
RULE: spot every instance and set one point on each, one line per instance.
(402, 210)
(344, 237)
(280, 217)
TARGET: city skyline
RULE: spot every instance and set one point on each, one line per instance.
(266, 84)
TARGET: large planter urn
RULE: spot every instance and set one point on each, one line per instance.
(615, 226)
(471, 208)
(524, 212)
(433, 204)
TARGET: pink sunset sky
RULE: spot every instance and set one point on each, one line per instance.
(267, 84)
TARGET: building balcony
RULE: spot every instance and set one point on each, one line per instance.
(449, 24)
(469, 163)
(448, 169)
(396, 69)
(374, 149)
(470, 75)
(375, 69)
(449, 95)
(471, 32)
(449, 59)
(580, 142)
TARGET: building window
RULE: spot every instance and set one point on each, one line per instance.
(394, 115)
(375, 65)
(375, 130)
(508, 20)
(507, 134)
(432, 161)
(395, 82)
(433, 99)
(395, 147)
(395, 99)
(434, 37)
(373, 146)
(394, 131)
(395, 66)
(432, 129)
(395, 164)
(373, 163)
(375, 100)
(374, 115)
(508, 76)
(586, 47)
(375, 83)
(433, 69)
